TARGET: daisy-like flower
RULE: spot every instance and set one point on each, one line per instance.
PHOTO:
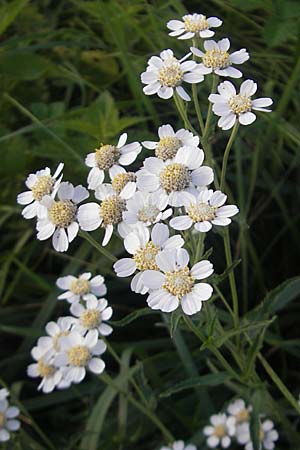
(108, 213)
(239, 411)
(50, 344)
(39, 184)
(144, 248)
(109, 157)
(146, 209)
(231, 106)
(267, 435)
(60, 220)
(81, 287)
(79, 353)
(170, 142)
(175, 177)
(165, 74)
(204, 211)
(179, 445)
(8, 415)
(92, 316)
(217, 59)
(175, 284)
(193, 25)
(220, 431)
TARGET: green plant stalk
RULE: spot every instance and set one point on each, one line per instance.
(215, 79)
(232, 283)
(226, 153)
(98, 246)
(183, 114)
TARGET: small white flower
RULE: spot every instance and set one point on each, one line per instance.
(267, 435)
(179, 445)
(123, 182)
(60, 220)
(146, 209)
(231, 106)
(144, 248)
(204, 211)
(220, 431)
(50, 344)
(239, 411)
(170, 142)
(175, 284)
(193, 25)
(8, 414)
(109, 158)
(81, 287)
(165, 73)
(108, 213)
(78, 353)
(175, 177)
(39, 184)
(43, 368)
(217, 59)
(92, 316)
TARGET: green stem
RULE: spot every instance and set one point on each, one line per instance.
(183, 114)
(224, 300)
(98, 246)
(231, 277)
(226, 153)
(209, 112)
(196, 100)
(199, 247)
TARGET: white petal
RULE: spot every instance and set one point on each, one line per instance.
(166, 260)
(72, 231)
(152, 88)
(45, 231)
(80, 194)
(60, 240)
(203, 291)
(247, 118)
(248, 88)
(124, 267)
(153, 279)
(227, 122)
(65, 191)
(159, 234)
(202, 269)
(182, 257)
(218, 199)
(163, 301)
(173, 242)
(95, 178)
(191, 304)
(175, 24)
(224, 44)
(25, 198)
(262, 102)
(122, 140)
(239, 57)
(89, 216)
(214, 22)
(96, 365)
(227, 211)
(181, 223)
(30, 210)
(182, 93)
(107, 235)
(203, 227)
(165, 92)
(203, 176)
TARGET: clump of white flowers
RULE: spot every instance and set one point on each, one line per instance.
(8, 417)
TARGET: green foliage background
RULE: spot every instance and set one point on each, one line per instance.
(69, 74)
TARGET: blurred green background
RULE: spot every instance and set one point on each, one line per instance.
(69, 77)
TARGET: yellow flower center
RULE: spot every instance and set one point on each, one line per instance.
(120, 181)
(2, 420)
(145, 257)
(56, 338)
(79, 355)
(80, 286)
(90, 318)
(62, 213)
(43, 186)
(195, 24)
(242, 416)
(216, 59)
(179, 283)
(220, 431)
(45, 370)
(170, 75)
(111, 210)
(148, 213)
(240, 104)
(199, 212)
(175, 177)
(106, 156)
(167, 147)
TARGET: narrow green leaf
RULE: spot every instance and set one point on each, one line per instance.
(133, 316)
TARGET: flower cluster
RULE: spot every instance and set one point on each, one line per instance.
(8, 417)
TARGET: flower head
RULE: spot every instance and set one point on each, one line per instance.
(92, 316)
(267, 435)
(239, 411)
(193, 25)
(165, 74)
(146, 209)
(8, 415)
(81, 287)
(220, 431)
(231, 106)
(179, 445)
(217, 59)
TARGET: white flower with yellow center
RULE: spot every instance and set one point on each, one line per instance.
(217, 58)
(109, 157)
(123, 181)
(203, 211)
(81, 287)
(170, 142)
(60, 221)
(165, 74)
(193, 25)
(174, 284)
(175, 177)
(79, 353)
(220, 432)
(231, 106)
(92, 316)
(146, 209)
(179, 445)
(144, 248)
(8, 415)
(39, 184)
(108, 213)
(267, 435)
(50, 344)
(239, 411)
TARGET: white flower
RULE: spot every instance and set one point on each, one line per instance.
(177, 284)
(267, 435)
(3, 393)
(55, 330)
(175, 177)
(179, 445)
(106, 214)
(39, 184)
(220, 431)
(146, 208)
(109, 158)
(232, 106)
(166, 73)
(170, 142)
(78, 353)
(8, 414)
(81, 287)
(239, 411)
(217, 59)
(144, 248)
(92, 316)
(204, 211)
(61, 216)
(123, 182)
(193, 25)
